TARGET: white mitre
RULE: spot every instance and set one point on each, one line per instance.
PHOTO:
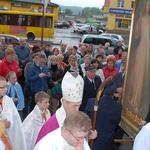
(72, 88)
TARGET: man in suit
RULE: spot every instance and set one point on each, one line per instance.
(91, 85)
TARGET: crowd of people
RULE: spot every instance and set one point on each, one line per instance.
(45, 93)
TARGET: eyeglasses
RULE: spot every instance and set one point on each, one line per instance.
(3, 87)
(78, 139)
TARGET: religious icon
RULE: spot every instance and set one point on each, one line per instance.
(136, 94)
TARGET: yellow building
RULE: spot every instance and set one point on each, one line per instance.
(120, 14)
(28, 6)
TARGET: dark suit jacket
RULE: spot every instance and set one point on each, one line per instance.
(89, 91)
(108, 118)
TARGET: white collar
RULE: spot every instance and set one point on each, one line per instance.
(61, 115)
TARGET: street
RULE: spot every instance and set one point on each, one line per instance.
(68, 36)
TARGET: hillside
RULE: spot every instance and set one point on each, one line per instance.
(74, 9)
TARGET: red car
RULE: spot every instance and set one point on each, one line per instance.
(14, 40)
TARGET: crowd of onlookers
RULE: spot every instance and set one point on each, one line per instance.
(43, 68)
(28, 72)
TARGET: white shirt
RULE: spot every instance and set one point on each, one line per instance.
(2, 147)
(32, 126)
(100, 73)
(142, 140)
(54, 141)
(15, 131)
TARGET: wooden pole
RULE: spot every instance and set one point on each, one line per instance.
(123, 141)
(43, 23)
(98, 95)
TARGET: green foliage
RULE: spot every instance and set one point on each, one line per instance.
(89, 11)
(79, 13)
(68, 11)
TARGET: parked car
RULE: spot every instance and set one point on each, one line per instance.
(61, 24)
(77, 26)
(85, 29)
(14, 40)
(112, 35)
(99, 39)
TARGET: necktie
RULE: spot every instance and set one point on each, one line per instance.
(93, 84)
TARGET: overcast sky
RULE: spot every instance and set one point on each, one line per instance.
(81, 3)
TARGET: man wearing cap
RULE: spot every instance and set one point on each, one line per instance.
(72, 91)
(91, 85)
(108, 118)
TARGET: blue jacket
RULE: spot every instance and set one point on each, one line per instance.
(47, 53)
(36, 83)
(15, 91)
(23, 53)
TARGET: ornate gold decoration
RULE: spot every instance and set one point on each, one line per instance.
(132, 116)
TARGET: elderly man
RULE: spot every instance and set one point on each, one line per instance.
(63, 48)
(106, 48)
(72, 91)
(23, 53)
(82, 51)
(2, 39)
(68, 53)
(91, 85)
(71, 136)
(38, 76)
(123, 59)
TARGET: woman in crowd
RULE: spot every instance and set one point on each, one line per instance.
(110, 69)
(73, 66)
(61, 64)
(55, 51)
(55, 81)
(9, 64)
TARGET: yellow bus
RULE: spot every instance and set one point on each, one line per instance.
(28, 24)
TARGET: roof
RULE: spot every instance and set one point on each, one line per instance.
(35, 2)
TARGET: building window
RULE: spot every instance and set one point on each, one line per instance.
(122, 23)
(132, 4)
(120, 3)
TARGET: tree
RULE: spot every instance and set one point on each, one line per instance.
(90, 11)
(59, 9)
(68, 11)
(79, 13)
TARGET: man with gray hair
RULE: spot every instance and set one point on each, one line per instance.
(38, 76)
(68, 53)
(23, 53)
(2, 39)
(106, 48)
(63, 48)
